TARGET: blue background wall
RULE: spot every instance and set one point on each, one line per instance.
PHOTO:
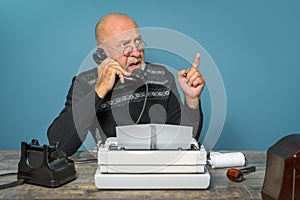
(255, 45)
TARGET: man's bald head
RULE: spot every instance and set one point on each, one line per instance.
(113, 24)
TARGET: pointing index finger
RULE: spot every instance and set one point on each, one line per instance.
(196, 62)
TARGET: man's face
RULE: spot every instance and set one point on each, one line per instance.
(127, 48)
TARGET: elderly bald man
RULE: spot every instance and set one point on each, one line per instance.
(107, 96)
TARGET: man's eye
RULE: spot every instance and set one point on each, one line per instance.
(137, 41)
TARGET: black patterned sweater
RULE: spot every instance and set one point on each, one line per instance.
(125, 104)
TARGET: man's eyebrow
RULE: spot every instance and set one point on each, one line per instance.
(125, 41)
(138, 37)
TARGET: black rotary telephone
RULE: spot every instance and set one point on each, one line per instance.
(138, 74)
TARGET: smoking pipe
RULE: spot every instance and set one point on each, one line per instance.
(237, 175)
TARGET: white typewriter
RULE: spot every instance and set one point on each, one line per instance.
(152, 156)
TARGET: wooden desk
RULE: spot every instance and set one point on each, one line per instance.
(84, 188)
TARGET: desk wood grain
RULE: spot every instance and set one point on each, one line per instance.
(84, 188)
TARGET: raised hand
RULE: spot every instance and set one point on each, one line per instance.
(192, 83)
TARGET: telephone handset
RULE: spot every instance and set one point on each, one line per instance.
(100, 55)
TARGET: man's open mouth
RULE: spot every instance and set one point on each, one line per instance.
(134, 65)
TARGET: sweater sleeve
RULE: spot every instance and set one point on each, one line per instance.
(74, 121)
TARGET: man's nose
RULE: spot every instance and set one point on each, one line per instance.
(135, 52)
